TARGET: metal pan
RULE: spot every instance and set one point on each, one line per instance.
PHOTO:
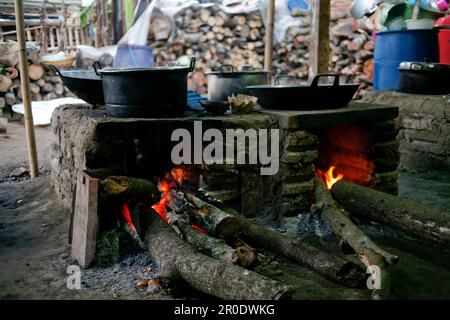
(314, 97)
(85, 84)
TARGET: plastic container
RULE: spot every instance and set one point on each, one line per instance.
(443, 25)
(419, 24)
(393, 47)
(133, 56)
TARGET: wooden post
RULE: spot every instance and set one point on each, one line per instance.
(25, 81)
(320, 38)
(270, 20)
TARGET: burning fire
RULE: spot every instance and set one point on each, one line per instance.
(127, 216)
(161, 206)
(329, 176)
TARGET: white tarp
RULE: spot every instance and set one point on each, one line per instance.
(42, 110)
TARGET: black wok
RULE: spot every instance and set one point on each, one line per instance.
(85, 84)
(314, 97)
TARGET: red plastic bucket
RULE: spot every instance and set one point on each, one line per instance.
(444, 45)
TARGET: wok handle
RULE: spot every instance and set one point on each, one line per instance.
(55, 69)
(192, 65)
(336, 76)
(224, 66)
(286, 76)
(97, 67)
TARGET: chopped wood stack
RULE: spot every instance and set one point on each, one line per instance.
(44, 85)
(215, 38)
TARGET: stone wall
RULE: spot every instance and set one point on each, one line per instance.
(424, 129)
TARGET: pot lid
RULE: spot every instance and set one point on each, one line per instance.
(423, 66)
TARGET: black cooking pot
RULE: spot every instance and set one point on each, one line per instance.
(85, 84)
(424, 78)
(314, 97)
(145, 92)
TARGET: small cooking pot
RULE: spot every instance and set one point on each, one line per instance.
(227, 81)
(146, 92)
(424, 78)
(290, 96)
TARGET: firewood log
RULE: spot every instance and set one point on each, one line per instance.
(48, 87)
(5, 83)
(41, 82)
(366, 250)
(415, 218)
(330, 266)
(10, 98)
(212, 219)
(128, 187)
(34, 88)
(35, 71)
(59, 89)
(2, 102)
(216, 248)
(176, 259)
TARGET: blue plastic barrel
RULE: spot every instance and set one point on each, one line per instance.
(133, 56)
(393, 47)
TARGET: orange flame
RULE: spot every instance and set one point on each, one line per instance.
(160, 207)
(127, 216)
(178, 175)
(330, 179)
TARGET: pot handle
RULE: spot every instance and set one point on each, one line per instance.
(315, 82)
(286, 76)
(224, 66)
(247, 67)
(97, 67)
(192, 64)
(55, 69)
(415, 66)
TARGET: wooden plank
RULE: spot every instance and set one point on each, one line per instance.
(29, 36)
(85, 219)
(71, 45)
(77, 36)
(320, 38)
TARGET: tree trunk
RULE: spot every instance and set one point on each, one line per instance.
(420, 220)
(212, 219)
(330, 266)
(367, 251)
(223, 280)
(217, 248)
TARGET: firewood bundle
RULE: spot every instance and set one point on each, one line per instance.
(44, 85)
(216, 38)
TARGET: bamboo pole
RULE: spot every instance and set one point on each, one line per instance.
(270, 20)
(320, 38)
(25, 81)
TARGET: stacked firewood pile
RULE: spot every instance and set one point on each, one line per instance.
(215, 38)
(44, 84)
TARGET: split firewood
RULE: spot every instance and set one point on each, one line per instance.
(177, 260)
(330, 266)
(243, 256)
(368, 252)
(2, 102)
(35, 71)
(415, 218)
(5, 83)
(212, 219)
(131, 187)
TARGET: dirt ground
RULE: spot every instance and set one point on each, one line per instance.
(34, 250)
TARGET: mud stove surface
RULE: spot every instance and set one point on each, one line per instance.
(359, 140)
